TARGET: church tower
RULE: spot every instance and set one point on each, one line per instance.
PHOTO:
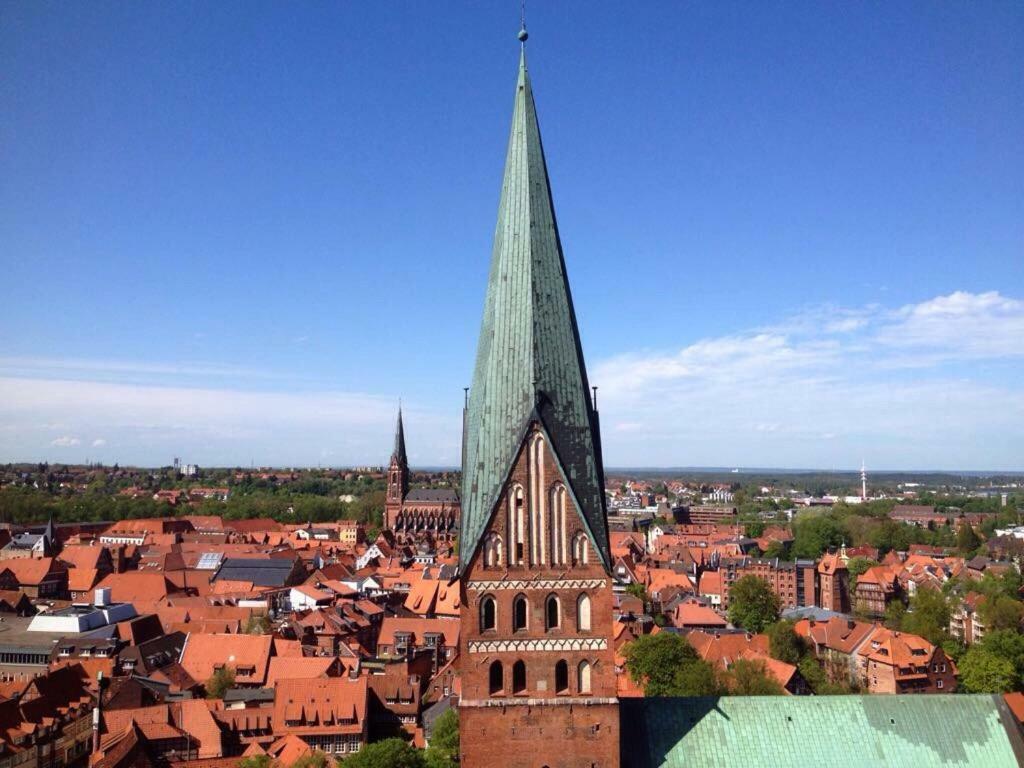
(536, 654)
(398, 477)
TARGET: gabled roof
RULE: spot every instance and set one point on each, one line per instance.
(328, 704)
(248, 655)
(529, 362)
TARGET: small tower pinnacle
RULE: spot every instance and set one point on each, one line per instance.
(523, 34)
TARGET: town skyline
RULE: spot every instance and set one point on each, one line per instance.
(824, 315)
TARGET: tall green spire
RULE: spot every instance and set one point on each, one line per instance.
(529, 361)
(399, 451)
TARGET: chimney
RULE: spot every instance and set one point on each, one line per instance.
(850, 624)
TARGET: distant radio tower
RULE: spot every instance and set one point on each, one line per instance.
(863, 481)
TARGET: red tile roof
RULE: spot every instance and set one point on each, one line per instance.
(248, 655)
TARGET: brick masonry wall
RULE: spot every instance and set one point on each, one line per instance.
(523, 736)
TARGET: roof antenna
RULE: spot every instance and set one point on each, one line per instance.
(522, 21)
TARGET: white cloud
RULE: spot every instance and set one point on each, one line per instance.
(959, 326)
(151, 424)
(825, 386)
(937, 384)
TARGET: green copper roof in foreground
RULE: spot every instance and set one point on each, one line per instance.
(922, 731)
(529, 360)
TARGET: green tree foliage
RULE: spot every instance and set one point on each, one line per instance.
(895, 613)
(1007, 644)
(257, 624)
(1001, 612)
(814, 534)
(220, 681)
(389, 753)
(967, 540)
(784, 643)
(775, 549)
(638, 591)
(665, 664)
(750, 677)
(752, 604)
(256, 761)
(315, 759)
(856, 566)
(443, 751)
(754, 529)
(983, 672)
(891, 535)
(928, 616)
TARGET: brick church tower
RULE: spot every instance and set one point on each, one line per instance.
(536, 655)
(398, 477)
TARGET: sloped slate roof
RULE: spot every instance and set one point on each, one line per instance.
(929, 731)
(529, 360)
(271, 572)
(399, 450)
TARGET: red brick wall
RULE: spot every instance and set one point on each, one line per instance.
(539, 726)
(560, 736)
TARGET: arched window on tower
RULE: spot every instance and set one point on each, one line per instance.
(552, 613)
(562, 677)
(583, 613)
(580, 549)
(538, 537)
(519, 677)
(583, 677)
(517, 525)
(492, 550)
(488, 614)
(520, 613)
(557, 526)
(496, 679)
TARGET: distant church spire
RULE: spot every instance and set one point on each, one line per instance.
(399, 451)
(398, 469)
(529, 365)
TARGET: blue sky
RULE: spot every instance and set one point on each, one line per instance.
(239, 232)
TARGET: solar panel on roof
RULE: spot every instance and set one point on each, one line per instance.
(209, 561)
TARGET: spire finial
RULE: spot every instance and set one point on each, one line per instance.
(522, 23)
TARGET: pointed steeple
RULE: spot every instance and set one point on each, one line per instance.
(529, 364)
(399, 451)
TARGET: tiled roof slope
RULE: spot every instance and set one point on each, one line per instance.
(935, 731)
(529, 358)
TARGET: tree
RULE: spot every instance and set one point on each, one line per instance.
(665, 664)
(258, 624)
(389, 753)
(928, 616)
(256, 761)
(855, 566)
(220, 682)
(750, 677)
(814, 535)
(983, 672)
(775, 549)
(315, 759)
(784, 643)
(697, 679)
(967, 540)
(1001, 612)
(895, 613)
(443, 751)
(1007, 644)
(891, 535)
(752, 604)
(638, 591)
